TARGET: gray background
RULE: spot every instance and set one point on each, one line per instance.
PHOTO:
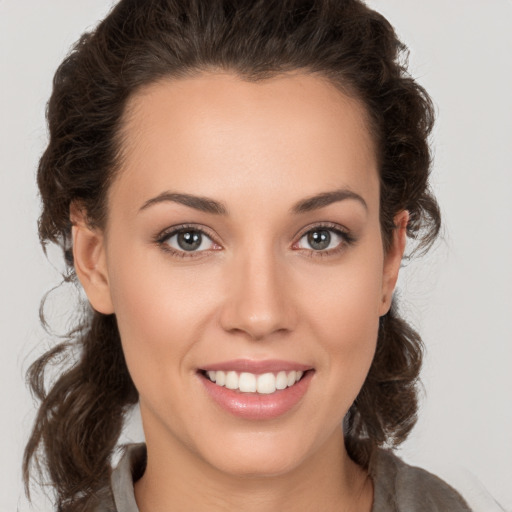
(459, 296)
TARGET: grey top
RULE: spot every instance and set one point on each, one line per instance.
(398, 486)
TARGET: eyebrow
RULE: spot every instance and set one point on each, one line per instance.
(325, 199)
(203, 204)
(208, 205)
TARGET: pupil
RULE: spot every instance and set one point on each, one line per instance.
(319, 239)
(189, 240)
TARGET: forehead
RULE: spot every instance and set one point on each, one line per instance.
(215, 133)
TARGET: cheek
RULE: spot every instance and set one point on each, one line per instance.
(162, 310)
(349, 332)
(346, 298)
(344, 318)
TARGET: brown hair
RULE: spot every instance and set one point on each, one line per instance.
(82, 413)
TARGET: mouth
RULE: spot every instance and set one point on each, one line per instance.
(256, 390)
(247, 382)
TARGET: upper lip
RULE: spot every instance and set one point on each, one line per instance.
(257, 367)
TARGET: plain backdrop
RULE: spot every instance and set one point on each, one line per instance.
(459, 297)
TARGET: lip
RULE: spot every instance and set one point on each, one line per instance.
(257, 367)
(255, 406)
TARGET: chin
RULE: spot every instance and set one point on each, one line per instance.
(260, 455)
(258, 465)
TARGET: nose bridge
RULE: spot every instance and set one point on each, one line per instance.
(258, 300)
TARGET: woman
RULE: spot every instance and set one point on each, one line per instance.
(233, 186)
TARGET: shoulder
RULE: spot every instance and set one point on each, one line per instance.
(119, 495)
(398, 486)
(101, 501)
(403, 488)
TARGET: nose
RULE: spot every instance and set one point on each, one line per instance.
(259, 302)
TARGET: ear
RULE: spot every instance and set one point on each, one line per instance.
(90, 261)
(393, 259)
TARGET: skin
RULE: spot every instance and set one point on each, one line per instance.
(257, 291)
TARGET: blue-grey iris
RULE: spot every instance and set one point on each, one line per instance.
(189, 240)
(320, 239)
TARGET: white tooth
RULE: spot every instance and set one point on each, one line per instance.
(291, 378)
(247, 382)
(266, 383)
(298, 376)
(232, 380)
(211, 375)
(220, 378)
(281, 380)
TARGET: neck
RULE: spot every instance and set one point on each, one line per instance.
(177, 479)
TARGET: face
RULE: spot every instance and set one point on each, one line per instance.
(243, 245)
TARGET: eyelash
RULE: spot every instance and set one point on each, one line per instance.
(163, 237)
(347, 239)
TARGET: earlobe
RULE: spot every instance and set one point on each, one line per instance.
(90, 261)
(393, 259)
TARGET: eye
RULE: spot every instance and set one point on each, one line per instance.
(187, 240)
(323, 239)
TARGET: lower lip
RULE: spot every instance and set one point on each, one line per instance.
(255, 406)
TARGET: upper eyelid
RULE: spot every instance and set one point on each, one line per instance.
(163, 237)
(329, 226)
(343, 233)
(174, 230)
(197, 227)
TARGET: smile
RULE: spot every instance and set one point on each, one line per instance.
(256, 390)
(245, 382)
